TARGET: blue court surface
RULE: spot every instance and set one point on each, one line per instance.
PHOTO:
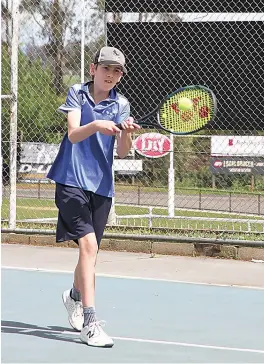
(151, 321)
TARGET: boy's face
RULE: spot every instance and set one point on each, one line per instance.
(106, 76)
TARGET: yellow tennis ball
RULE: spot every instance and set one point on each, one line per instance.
(185, 104)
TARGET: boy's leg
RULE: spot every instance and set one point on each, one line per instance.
(82, 218)
(86, 268)
(92, 333)
(76, 291)
(101, 207)
(72, 301)
(74, 221)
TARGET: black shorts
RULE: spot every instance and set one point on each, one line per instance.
(80, 212)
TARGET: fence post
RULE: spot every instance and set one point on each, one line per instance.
(112, 215)
(82, 40)
(39, 189)
(171, 181)
(150, 216)
(13, 117)
(200, 200)
(1, 157)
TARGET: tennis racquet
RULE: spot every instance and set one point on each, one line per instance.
(172, 119)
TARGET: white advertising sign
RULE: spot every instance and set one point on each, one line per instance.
(152, 145)
(223, 145)
(44, 153)
(37, 158)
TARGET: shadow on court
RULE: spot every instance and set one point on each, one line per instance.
(21, 328)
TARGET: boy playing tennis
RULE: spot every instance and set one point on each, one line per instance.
(82, 171)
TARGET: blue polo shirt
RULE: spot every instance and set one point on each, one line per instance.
(88, 164)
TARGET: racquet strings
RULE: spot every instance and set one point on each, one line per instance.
(178, 121)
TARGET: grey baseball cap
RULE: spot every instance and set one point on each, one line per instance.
(111, 56)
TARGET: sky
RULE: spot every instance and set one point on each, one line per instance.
(28, 24)
(30, 30)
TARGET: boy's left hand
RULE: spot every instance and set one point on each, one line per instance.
(129, 126)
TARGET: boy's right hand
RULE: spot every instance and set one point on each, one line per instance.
(107, 127)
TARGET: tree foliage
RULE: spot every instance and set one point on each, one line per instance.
(37, 101)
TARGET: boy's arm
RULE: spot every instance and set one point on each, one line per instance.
(72, 108)
(77, 133)
(124, 144)
(124, 140)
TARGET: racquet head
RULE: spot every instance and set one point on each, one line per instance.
(202, 110)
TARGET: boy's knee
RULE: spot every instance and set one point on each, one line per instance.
(88, 245)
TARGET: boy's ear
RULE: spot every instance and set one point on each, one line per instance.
(92, 69)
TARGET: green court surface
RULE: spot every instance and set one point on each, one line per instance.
(151, 321)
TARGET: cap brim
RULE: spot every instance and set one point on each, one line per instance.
(113, 63)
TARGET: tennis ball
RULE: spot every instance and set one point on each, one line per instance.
(185, 104)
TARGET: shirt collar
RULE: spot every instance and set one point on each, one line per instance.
(112, 95)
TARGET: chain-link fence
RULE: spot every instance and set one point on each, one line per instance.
(205, 185)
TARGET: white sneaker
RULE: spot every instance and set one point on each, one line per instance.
(94, 335)
(75, 310)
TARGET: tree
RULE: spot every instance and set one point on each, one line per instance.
(6, 17)
(56, 43)
(73, 51)
(38, 119)
(56, 19)
(37, 112)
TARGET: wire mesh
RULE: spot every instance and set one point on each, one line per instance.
(217, 183)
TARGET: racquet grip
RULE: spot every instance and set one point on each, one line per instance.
(119, 126)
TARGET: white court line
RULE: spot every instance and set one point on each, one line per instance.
(133, 277)
(148, 341)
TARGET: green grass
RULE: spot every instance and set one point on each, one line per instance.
(138, 231)
(185, 190)
(186, 233)
(130, 210)
(136, 188)
(42, 208)
(191, 225)
(29, 208)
